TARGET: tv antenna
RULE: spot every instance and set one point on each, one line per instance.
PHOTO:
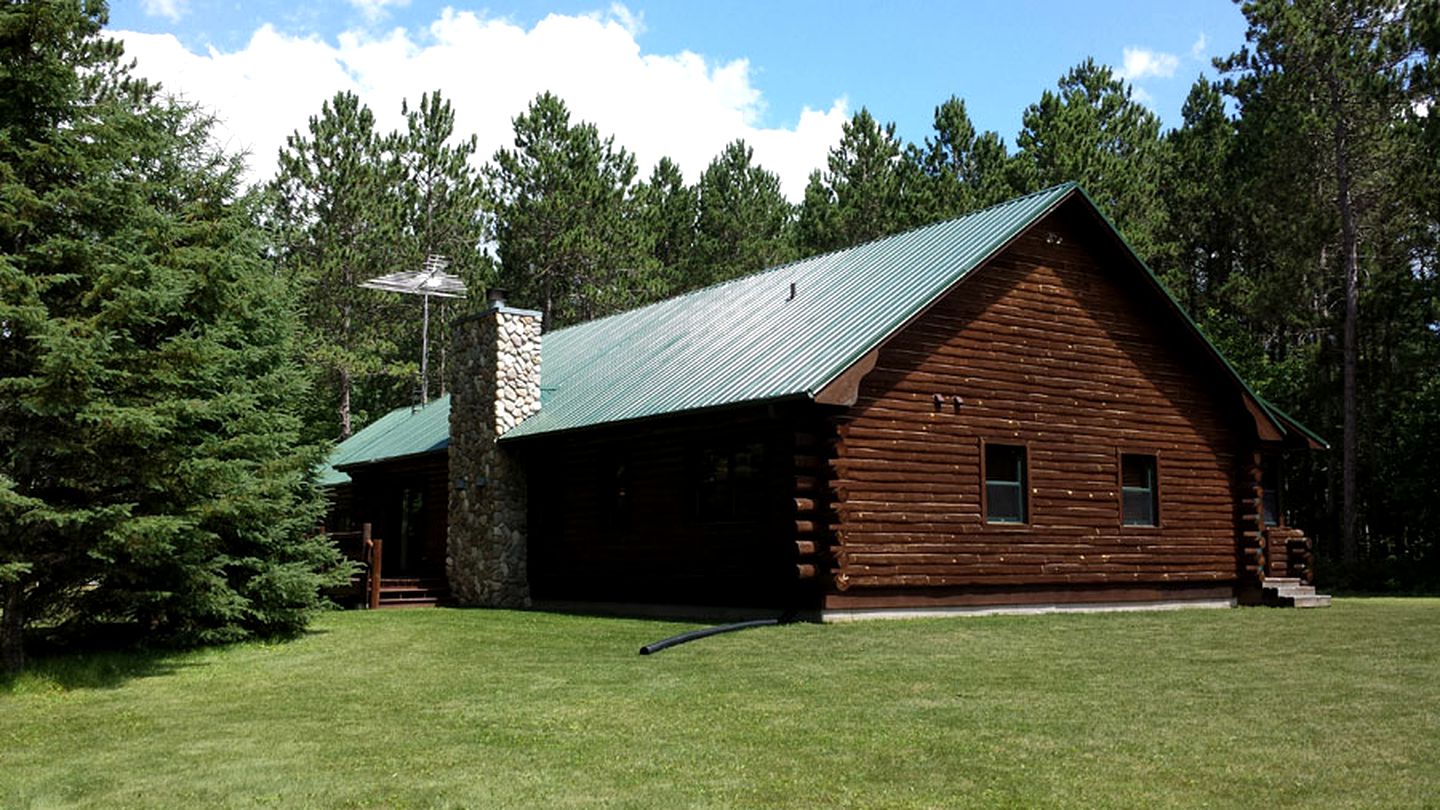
(430, 280)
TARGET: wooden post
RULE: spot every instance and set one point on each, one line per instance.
(365, 558)
(375, 573)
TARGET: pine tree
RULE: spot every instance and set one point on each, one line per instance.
(667, 209)
(151, 468)
(967, 171)
(1324, 89)
(337, 218)
(1199, 230)
(1094, 133)
(564, 221)
(442, 211)
(871, 189)
(743, 222)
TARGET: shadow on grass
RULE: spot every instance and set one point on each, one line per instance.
(102, 660)
(109, 669)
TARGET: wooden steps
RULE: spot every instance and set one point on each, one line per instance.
(1291, 592)
(412, 592)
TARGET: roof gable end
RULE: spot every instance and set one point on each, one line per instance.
(786, 332)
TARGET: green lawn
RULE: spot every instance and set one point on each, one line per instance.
(1254, 707)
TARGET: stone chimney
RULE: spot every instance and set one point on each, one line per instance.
(495, 383)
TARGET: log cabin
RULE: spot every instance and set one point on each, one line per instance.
(1006, 411)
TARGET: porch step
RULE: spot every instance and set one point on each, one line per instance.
(410, 602)
(410, 592)
(412, 583)
(1291, 592)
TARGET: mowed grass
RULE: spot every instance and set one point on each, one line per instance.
(473, 708)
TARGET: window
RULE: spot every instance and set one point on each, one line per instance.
(615, 479)
(1270, 484)
(732, 484)
(1004, 483)
(1138, 493)
(409, 550)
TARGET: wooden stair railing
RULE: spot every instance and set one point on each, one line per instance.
(364, 549)
(370, 588)
(373, 547)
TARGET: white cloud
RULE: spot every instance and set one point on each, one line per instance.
(1142, 62)
(632, 22)
(373, 10)
(1197, 51)
(172, 10)
(677, 105)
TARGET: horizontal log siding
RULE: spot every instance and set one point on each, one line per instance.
(1052, 347)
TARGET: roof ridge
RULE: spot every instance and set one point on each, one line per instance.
(936, 223)
(1067, 185)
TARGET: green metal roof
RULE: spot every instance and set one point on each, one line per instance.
(781, 333)
(748, 340)
(402, 432)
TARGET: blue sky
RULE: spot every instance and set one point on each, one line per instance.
(676, 78)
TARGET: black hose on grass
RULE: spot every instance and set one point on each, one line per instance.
(666, 643)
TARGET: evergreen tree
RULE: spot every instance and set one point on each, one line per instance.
(442, 200)
(151, 469)
(567, 236)
(337, 217)
(967, 171)
(1094, 133)
(1198, 233)
(667, 209)
(869, 189)
(743, 221)
(1324, 91)
(817, 221)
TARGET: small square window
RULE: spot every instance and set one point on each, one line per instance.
(1005, 483)
(1138, 490)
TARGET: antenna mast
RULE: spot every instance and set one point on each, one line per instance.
(430, 280)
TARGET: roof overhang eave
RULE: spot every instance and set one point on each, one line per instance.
(371, 462)
(512, 438)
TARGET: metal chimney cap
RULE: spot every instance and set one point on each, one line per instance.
(495, 297)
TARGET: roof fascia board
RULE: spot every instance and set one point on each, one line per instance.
(508, 438)
(1310, 438)
(845, 389)
(356, 465)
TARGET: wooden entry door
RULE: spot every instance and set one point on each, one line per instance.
(404, 548)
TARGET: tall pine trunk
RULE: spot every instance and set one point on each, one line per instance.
(1349, 239)
(12, 629)
(344, 407)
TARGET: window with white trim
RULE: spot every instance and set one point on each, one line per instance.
(1139, 495)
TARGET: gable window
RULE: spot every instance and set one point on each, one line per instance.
(1138, 492)
(1005, 483)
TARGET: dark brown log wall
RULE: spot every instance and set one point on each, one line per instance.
(1056, 346)
(616, 514)
(377, 491)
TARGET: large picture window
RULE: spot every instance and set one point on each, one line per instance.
(1138, 491)
(1005, 484)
